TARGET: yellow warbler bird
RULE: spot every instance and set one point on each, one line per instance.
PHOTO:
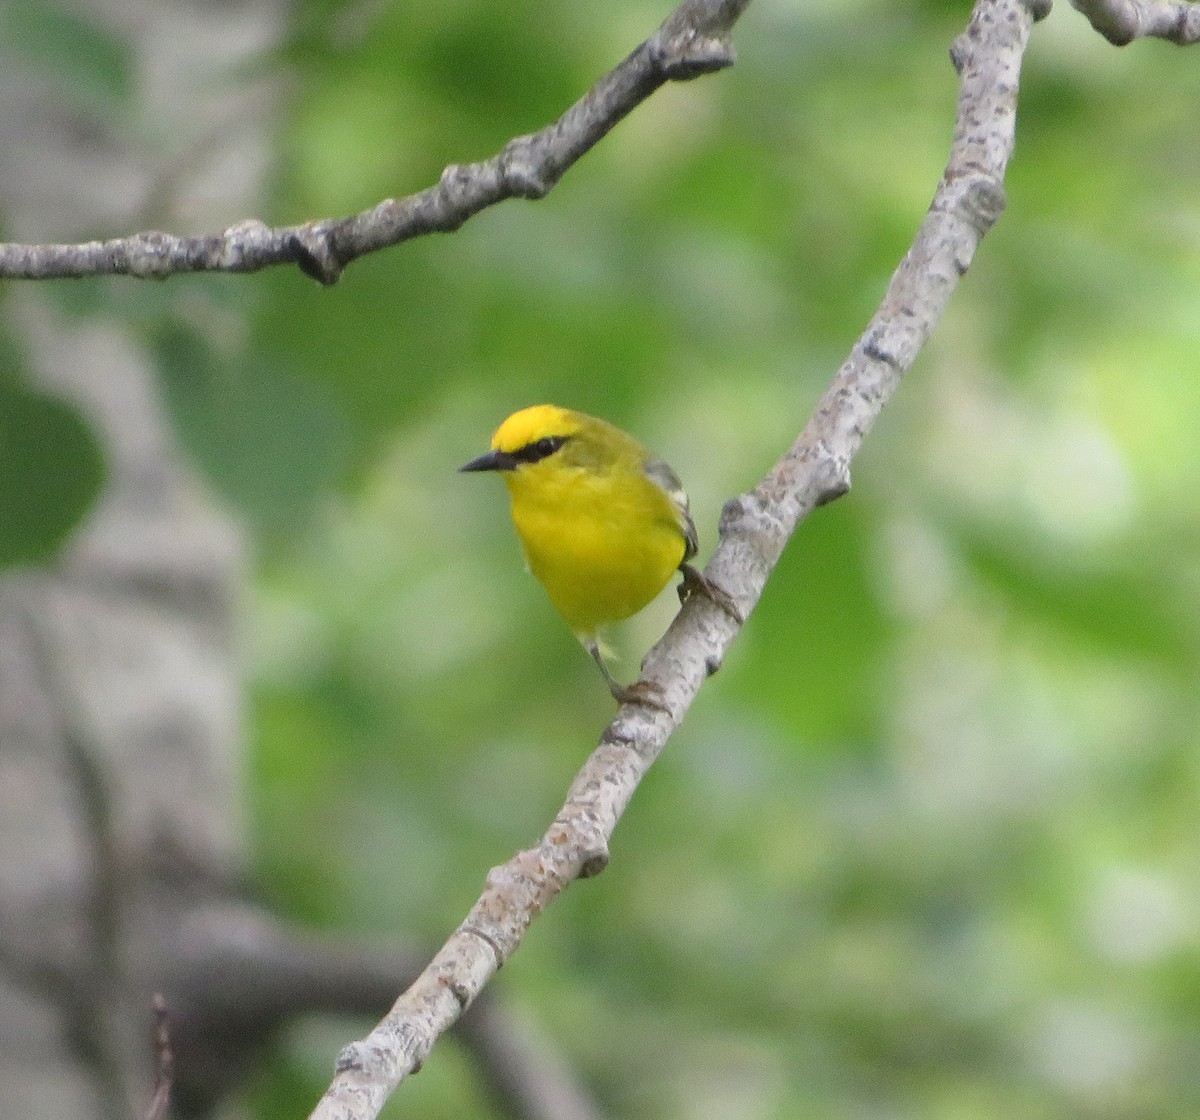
(604, 524)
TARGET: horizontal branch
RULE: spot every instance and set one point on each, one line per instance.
(755, 528)
(1122, 21)
(695, 39)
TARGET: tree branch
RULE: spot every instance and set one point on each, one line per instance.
(695, 39)
(755, 528)
(160, 1098)
(524, 1077)
(1122, 21)
(233, 974)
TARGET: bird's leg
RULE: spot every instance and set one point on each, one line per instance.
(696, 582)
(646, 693)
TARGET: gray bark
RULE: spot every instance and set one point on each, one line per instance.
(120, 738)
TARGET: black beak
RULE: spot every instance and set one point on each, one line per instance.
(492, 461)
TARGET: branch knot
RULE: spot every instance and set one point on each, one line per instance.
(313, 252)
(520, 173)
(150, 255)
(982, 202)
(689, 53)
(350, 1058)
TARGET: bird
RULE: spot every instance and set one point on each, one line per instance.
(603, 523)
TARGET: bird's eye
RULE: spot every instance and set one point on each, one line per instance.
(540, 449)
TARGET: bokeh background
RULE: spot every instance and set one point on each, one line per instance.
(927, 846)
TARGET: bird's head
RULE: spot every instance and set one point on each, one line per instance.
(528, 436)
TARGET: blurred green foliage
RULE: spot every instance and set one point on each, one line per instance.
(51, 466)
(926, 847)
(86, 58)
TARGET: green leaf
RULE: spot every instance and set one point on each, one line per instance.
(51, 470)
(80, 53)
(1124, 605)
(270, 442)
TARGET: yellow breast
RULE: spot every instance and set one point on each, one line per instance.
(603, 543)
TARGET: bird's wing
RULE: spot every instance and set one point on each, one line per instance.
(661, 474)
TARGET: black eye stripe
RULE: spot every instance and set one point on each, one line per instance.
(539, 449)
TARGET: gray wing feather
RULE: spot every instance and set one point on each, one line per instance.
(662, 475)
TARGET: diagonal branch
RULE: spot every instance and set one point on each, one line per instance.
(695, 39)
(1122, 21)
(165, 1061)
(755, 528)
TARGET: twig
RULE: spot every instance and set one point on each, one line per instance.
(165, 1063)
(695, 39)
(755, 528)
(1122, 21)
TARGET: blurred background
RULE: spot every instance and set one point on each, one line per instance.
(927, 845)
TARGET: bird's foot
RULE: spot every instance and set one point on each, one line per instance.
(645, 694)
(695, 582)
